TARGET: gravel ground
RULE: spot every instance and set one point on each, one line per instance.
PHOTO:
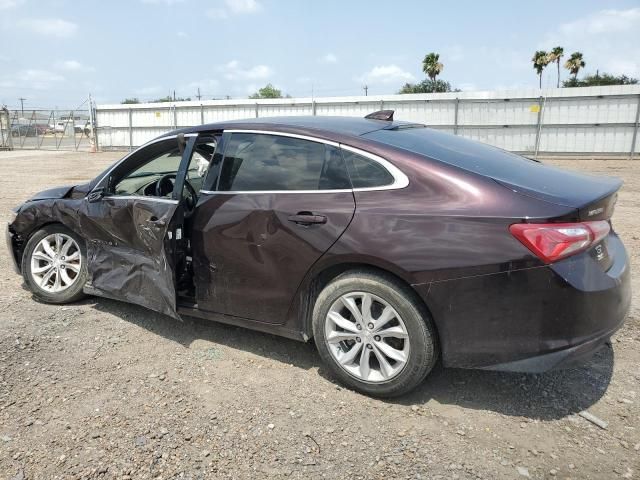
(102, 389)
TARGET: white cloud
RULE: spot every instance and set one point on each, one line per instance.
(182, 35)
(234, 71)
(73, 66)
(243, 6)
(55, 27)
(328, 58)
(608, 39)
(7, 4)
(603, 22)
(33, 79)
(234, 7)
(387, 74)
(166, 2)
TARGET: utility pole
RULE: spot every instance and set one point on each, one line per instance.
(22, 104)
(198, 95)
(366, 90)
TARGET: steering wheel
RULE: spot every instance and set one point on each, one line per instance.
(165, 184)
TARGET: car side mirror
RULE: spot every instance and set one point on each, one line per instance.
(96, 195)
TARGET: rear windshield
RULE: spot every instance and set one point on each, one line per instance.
(458, 151)
(544, 181)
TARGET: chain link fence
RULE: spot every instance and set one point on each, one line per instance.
(38, 129)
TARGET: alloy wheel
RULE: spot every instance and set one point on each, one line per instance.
(56, 263)
(367, 337)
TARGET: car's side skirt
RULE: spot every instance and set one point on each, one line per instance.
(243, 322)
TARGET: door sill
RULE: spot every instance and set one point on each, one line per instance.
(273, 329)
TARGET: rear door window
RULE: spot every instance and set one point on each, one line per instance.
(263, 162)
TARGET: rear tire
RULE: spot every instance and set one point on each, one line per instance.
(54, 265)
(373, 333)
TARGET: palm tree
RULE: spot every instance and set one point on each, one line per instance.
(554, 56)
(574, 64)
(540, 60)
(431, 66)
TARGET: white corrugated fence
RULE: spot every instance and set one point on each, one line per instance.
(589, 120)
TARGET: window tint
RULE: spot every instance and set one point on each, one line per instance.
(366, 173)
(141, 180)
(200, 163)
(255, 162)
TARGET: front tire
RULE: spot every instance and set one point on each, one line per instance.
(54, 265)
(373, 333)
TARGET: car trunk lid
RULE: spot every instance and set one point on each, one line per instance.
(594, 197)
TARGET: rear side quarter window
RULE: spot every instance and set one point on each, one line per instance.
(366, 172)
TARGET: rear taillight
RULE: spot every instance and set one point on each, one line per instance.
(554, 241)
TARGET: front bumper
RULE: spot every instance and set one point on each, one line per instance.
(9, 238)
(531, 320)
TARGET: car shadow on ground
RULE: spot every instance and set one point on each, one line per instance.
(546, 396)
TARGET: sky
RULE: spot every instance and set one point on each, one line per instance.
(56, 52)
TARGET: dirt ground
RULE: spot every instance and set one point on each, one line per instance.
(102, 389)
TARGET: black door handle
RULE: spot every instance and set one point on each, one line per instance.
(307, 218)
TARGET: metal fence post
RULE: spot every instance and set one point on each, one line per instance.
(130, 129)
(635, 131)
(541, 103)
(313, 107)
(5, 121)
(257, 110)
(175, 116)
(455, 116)
(201, 114)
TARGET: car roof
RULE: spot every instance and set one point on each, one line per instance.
(322, 125)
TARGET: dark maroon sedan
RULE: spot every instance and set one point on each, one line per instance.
(388, 243)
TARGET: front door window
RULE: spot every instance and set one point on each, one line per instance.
(152, 179)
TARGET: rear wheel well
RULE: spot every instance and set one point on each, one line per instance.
(326, 276)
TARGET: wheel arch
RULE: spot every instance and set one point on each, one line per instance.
(321, 277)
(20, 239)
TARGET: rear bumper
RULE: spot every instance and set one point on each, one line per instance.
(565, 358)
(531, 320)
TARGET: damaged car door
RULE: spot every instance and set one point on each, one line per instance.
(130, 226)
(280, 202)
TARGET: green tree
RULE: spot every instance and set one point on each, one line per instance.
(268, 91)
(169, 98)
(540, 61)
(431, 65)
(426, 86)
(129, 101)
(600, 79)
(574, 64)
(554, 57)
